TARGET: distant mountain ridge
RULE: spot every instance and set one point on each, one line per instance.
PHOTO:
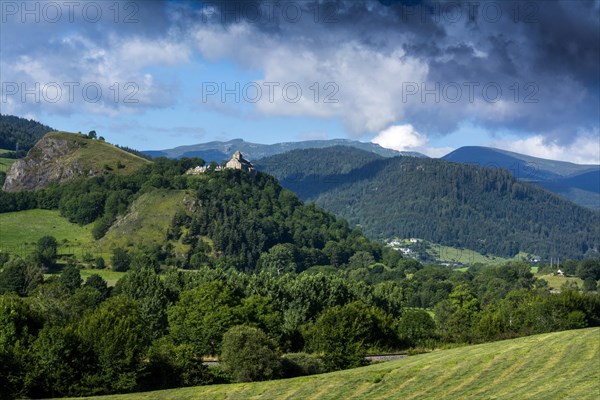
(579, 183)
(453, 204)
(219, 151)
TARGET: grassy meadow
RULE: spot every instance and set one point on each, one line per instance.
(561, 365)
(19, 232)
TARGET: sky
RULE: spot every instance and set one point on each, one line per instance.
(413, 75)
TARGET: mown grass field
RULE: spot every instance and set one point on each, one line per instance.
(563, 365)
(19, 232)
(555, 281)
(462, 256)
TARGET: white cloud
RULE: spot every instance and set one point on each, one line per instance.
(406, 138)
(116, 67)
(400, 137)
(585, 149)
(365, 85)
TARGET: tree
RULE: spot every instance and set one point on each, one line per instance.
(118, 337)
(99, 263)
(4, 257)
(120, 260)
(47, 251)
(416, 328)
(57, 364)
(18, 328)
(144, 285)
(343, 334)
(71, 278)
(279, 259)
(360, 259)
(249, 355)
(92, 135)
(589, 269)
(171, 365)
(97, 282)
(202, 316)
(590, 285)
(20, 276)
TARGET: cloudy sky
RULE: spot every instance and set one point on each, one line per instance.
(419, 75)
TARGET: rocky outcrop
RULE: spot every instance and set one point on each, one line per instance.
(47, 162)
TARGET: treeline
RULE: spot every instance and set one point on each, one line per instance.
(456, 205)
(20, 132)
(66, 337)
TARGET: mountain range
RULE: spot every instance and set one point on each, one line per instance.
(218, 151)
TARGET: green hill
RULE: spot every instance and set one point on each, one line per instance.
(60, 156)
(549, 366)
(462, 206)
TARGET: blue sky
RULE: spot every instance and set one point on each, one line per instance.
(427, 76)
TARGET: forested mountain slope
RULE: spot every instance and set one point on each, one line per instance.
(458, 205)
(579, 183)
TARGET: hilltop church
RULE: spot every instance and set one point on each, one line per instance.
(237, 162)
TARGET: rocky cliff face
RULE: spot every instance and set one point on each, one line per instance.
(47, 162)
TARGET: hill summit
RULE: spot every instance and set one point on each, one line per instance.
(60, 156)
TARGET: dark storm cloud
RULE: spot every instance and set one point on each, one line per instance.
(31, 26)
(552, 45)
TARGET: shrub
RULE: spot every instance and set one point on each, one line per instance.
(249, 355)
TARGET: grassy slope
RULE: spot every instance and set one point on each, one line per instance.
(147, 221)
(94, 154)
(463, 256)
(19, 231)
(555, 282)
(549, 366)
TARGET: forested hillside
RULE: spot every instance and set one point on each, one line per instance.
(578, 183)
(229, 219)
(20, 132)
(458, 205)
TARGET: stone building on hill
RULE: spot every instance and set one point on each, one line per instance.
(237, 162)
